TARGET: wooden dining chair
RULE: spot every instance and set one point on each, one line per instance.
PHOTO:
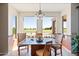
(58, 44)
(46, 51)
(21, 37)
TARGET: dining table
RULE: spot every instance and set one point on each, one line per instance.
(36, 45)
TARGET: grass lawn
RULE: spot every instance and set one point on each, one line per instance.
(65, 30)
(32, 31)
(28, 30)
(47, 31)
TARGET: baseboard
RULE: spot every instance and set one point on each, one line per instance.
(2, 54)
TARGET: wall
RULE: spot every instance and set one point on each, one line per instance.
(58, 24)
(20, 24)
(74, 18)
(3, 28)
(67, 11)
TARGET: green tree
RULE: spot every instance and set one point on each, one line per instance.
(14, 30)
(49, 28)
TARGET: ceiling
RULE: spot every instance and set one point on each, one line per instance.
(31, 7)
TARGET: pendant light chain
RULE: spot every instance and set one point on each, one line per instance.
(39, 6)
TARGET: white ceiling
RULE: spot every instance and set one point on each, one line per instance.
(31, 7)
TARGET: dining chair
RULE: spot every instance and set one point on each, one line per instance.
(21, 37)
(59, 42)
(46, 51)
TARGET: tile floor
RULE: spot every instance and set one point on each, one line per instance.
(13, 49)
(25, 53)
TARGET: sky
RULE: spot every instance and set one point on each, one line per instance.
(13, 21)
(47, 22)
(31, 22)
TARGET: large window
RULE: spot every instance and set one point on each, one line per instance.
(13, 25)
(47, 26)
(64, 19)
(30, 24)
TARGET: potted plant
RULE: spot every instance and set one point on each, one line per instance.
(39, 39)
(75, 45)
(77, 39)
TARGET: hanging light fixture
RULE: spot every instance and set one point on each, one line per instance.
(39, 13)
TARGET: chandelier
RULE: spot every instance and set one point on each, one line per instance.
(39, 13)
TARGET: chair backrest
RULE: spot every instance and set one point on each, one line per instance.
(59, 38)
(47, 48)
(21, 36)
(63, 36)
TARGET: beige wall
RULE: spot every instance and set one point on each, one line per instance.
(58, 24)
(3, 28)
(20, 24)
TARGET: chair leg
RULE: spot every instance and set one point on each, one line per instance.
(61, 51)
(19, 51)
(55, 52)
(50, 52)
(27, 49)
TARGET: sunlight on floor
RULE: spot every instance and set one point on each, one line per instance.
(15, 45)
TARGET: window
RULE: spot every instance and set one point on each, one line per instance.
(13, 25)
(30, 24)
(47, 26)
